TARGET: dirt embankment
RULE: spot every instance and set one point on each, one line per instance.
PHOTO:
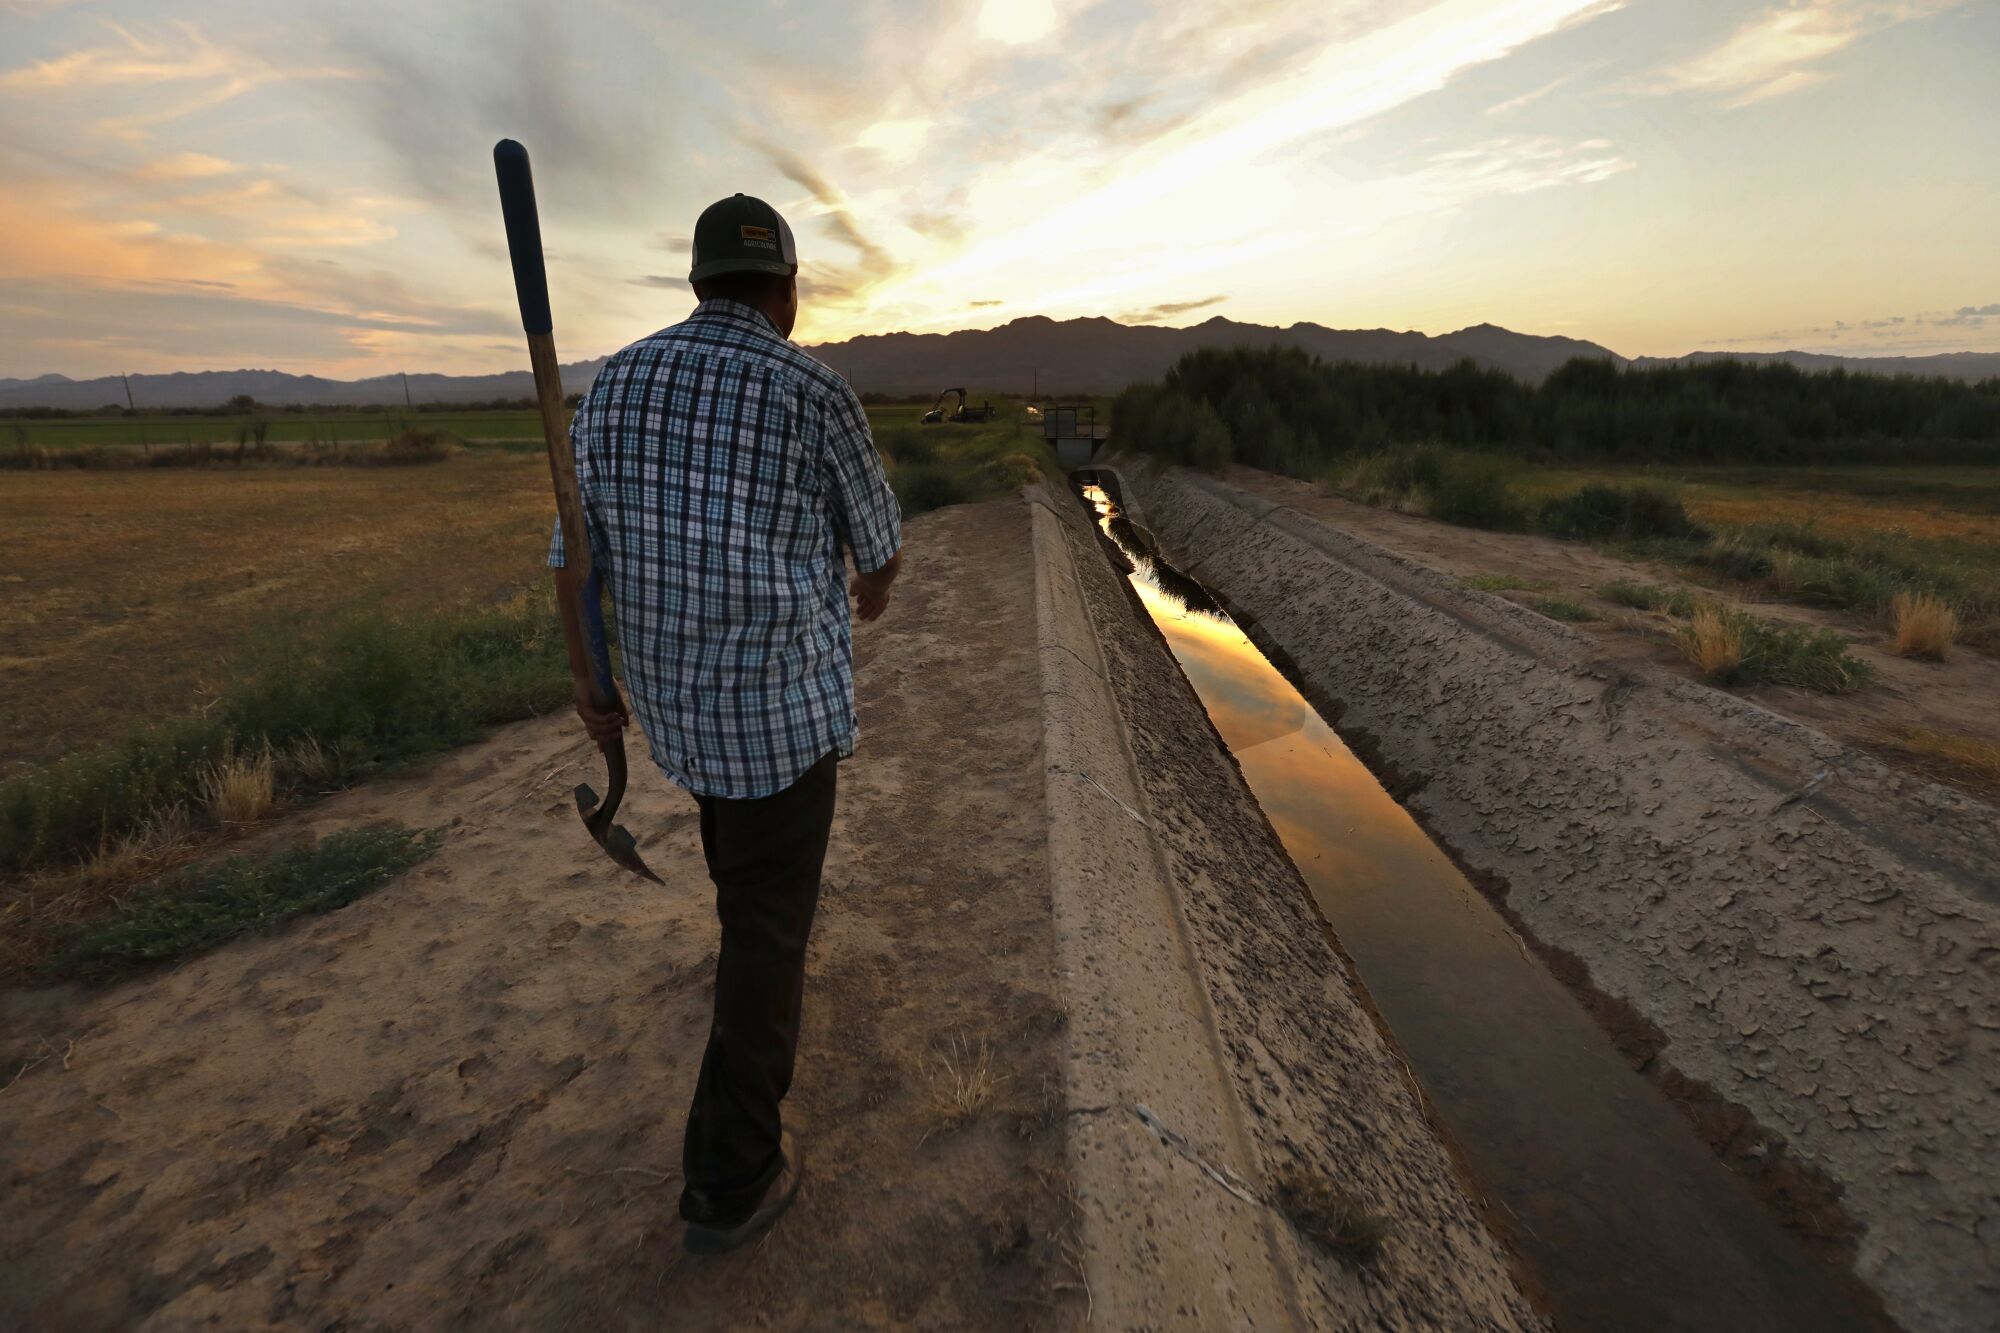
(1816, 936)
(458, 1102)
(1911, 698)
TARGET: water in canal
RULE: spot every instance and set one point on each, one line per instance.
(1626, 1217)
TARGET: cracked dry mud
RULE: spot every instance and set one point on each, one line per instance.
(457, 1103)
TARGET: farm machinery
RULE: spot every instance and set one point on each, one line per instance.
(963, 415)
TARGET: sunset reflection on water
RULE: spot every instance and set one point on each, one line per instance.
(1345, 833)
(1620, 1205)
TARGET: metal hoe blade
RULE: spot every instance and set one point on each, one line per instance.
(615, 839)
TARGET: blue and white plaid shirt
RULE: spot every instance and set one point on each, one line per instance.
(722, 469)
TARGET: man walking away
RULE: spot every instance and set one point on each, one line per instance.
(722, 470)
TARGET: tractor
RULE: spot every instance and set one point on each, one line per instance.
(963, 415)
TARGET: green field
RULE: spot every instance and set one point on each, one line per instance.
(276, 427)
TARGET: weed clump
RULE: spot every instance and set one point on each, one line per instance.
(1339, 1221)
(1728, 645)
(240, 788)
(1926, 626)
(961, 1083)
(1558, 608)
(1713, 642)
(1649, 597)
(1614, 513)
(198, 909)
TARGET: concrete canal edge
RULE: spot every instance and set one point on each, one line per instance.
(1798, 937)
(1218, 1046)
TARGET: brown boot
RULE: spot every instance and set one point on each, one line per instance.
(702, 1239)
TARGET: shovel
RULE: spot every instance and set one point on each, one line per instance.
(583, 624)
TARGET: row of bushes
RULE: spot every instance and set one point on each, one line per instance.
(1280, 409)
(374, 690)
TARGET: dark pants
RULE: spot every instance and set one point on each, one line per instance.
(764, 856)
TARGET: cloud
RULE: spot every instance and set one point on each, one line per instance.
(1016, 22)
(150, 57)
(1168, 309)
(1979, 311)
(1523, 163)
(1514, 104)
(835, 212)
(666, 280)
(981, 305)
(186, 166)
(897, 140)
(437, 119)
(1779, 51)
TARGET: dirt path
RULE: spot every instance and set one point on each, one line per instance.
(1954, 697)
(458, 1102)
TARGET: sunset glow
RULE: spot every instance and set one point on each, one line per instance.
(214, 184)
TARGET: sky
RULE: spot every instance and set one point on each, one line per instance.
(220, 184)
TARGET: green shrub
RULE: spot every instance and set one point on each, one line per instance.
(904, 445)
(1476, 491)
(1812, 659)
(1147, 418)
(371, 690)
(199, 909)
(1614, 513)
(922, 487)
(1393, 476)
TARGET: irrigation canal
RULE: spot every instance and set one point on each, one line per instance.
(1626, 1218)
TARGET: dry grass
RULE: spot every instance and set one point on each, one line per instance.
(241, 789)
(1963, 761)
(961, 1082)
(161, 842)
(1712, 642)
(1926, 625)
(41, 905)
(1843, 515)
(1336, 1219)
(308, 764)
(119, 619)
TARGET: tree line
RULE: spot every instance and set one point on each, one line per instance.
(1283, 410)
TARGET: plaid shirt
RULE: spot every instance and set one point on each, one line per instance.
(722, 469)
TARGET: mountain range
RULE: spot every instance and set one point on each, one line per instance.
(1035, 354)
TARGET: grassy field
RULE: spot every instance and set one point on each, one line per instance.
(276, 427)
(188, 650)
(1929, 503)
(1846, 537)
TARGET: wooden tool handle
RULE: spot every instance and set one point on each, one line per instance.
(531, 288)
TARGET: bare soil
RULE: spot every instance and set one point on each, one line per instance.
(458, 1102)
(1955, 697)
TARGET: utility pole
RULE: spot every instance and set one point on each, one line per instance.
(406, 391)
(129, 405)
